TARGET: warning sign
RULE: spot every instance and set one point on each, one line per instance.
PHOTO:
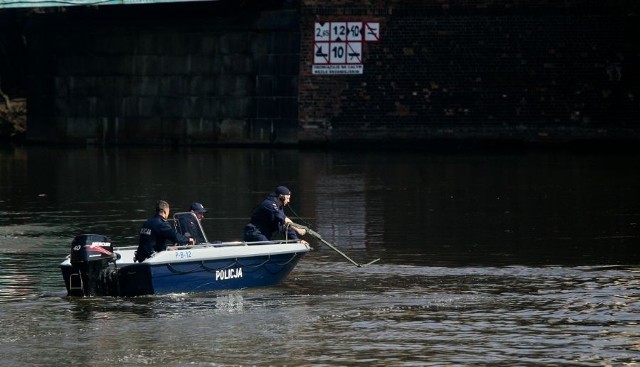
(322, 32)
(372, 32)
(321, 54)
(354, 53)
(337, 46)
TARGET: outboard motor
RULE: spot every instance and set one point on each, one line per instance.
(92, 275)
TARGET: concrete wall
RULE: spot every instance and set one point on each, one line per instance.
(210, 72)
(478, 70)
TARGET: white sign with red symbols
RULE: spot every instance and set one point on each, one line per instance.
(337, 46)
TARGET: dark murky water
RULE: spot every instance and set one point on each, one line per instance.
(487, 259)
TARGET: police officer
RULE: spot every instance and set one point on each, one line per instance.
(269, 218)
(156, 231)
(190, 226)
(199, 210)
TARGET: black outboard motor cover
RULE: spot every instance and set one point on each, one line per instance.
(91, 273)
(91, 247)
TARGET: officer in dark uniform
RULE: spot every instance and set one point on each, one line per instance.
(156, 231)
(269, 218)
(190, 224)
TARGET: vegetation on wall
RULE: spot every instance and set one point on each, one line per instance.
(13, 103)
(13, 118)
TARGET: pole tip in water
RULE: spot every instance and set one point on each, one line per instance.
(370, 262)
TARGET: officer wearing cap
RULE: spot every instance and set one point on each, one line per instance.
(269, 218)
(156, 231)
(198, 209)
(189, 225)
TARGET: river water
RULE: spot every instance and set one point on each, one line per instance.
(487, 258)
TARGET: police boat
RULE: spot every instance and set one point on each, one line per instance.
(97, 268)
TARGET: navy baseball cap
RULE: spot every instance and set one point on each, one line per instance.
(197, 207)
(281, 190)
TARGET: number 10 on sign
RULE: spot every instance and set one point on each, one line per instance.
(338, 53)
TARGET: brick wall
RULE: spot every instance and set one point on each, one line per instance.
(481, 70)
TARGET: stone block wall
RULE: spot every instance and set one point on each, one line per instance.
(186, 73)
(477, 70)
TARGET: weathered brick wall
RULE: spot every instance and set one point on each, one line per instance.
(487, 70)
(186, 73)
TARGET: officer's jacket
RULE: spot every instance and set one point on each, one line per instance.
(154, 235)
(269, 216)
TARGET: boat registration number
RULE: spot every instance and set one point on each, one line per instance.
(183, 254)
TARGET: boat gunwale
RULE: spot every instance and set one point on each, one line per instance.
(216, 245)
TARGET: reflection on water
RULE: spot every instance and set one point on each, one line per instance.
(500, 259)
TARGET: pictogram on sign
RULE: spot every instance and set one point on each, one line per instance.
(372, 31)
